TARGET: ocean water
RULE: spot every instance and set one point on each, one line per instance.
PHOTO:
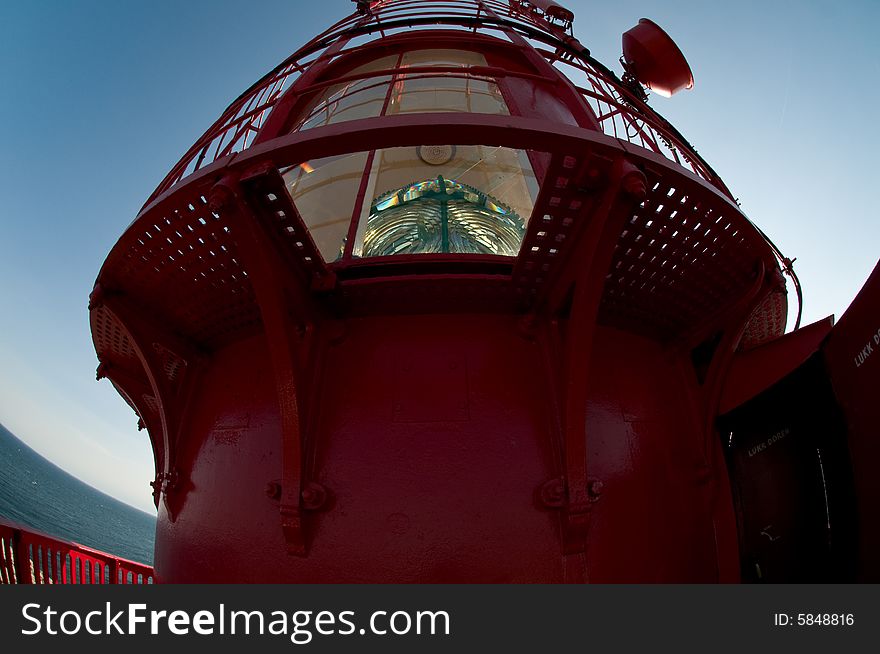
(36, 493)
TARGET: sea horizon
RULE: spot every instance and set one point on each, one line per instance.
(38, 494)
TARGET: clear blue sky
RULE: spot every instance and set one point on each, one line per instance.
(99, 99)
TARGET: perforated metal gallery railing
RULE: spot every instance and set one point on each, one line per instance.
(620, 112)
(29, 557)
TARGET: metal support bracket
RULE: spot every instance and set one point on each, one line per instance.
(170, 365)
(626, 186)
(288, 315)
(139, 395)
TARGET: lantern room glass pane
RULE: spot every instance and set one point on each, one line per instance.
(444, 91)
(408, 92)
(324, 192)
(453, 199)
(363, 98)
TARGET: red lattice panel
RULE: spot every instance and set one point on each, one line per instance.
(111, 341)
(180, 262)
(767, 322)
(172, 364)
(558, 209)
(684, 255)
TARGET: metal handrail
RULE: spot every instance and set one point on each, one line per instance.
(28, 556)
(238, 126)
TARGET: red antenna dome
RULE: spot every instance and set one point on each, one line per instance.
(652, 58)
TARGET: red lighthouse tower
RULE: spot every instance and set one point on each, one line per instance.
(441, 298)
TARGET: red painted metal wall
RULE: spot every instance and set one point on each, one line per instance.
(852, 355)
(435, 435)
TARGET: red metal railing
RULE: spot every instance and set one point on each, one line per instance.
(29, 557)
(621, 113)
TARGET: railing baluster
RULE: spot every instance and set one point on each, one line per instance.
(4, 571)
(39, 571)
(4, 565)
(23, 559)
(44, 564)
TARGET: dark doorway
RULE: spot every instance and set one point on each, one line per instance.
(792, 482)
